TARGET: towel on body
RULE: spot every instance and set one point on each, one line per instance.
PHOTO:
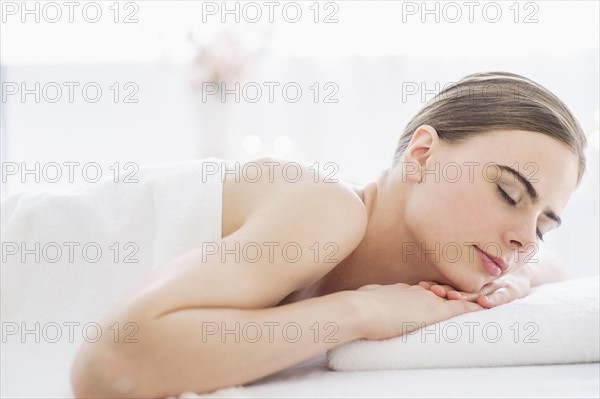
(67, 256)
(556, 323)
(70, 253)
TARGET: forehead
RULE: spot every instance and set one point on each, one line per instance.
(550, 165)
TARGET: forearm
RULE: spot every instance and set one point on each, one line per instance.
(204, 349)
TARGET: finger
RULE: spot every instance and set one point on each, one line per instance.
(442, 290)
(369, 287)
(486, 290)
(437, 292)
(467, 296)
(492, 286)
(499, 297)
(426, 284)
(457, 307)
(485, 301)
(402, 285)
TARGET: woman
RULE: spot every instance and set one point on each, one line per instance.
(480, 174)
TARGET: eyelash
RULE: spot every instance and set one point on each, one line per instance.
(513, 203)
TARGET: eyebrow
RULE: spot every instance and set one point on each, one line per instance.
(531, 191)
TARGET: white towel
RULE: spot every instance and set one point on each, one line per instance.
(555, 323)
(173, 208)
(136, 226)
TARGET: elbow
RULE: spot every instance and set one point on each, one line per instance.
(98, 373)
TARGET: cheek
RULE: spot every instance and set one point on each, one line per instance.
(480, 207)
(459, 206)
(460, 212)
(457, 213)
(441, 212)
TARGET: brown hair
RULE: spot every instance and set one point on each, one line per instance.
(483, 102)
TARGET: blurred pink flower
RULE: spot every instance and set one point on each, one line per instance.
(223, 60)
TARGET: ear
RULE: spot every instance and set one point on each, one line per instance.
(422, 145)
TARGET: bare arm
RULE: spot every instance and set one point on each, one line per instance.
(179, 306)
(205, 325)
(201, 350)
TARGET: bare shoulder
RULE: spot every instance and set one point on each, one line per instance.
(280, 234)
(269, 184)
(298, 206)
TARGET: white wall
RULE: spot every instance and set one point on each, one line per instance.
(373, 50)
(359, 133)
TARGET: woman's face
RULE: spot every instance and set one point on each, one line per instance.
(495, 192)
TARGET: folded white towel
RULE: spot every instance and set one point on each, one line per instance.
(555, 323)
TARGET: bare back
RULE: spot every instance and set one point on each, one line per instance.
(299, 209)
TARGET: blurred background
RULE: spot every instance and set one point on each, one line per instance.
(149, 82)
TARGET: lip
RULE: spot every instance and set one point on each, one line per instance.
(492, 263)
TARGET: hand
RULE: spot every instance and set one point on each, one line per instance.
(397, 309)
(498, 292)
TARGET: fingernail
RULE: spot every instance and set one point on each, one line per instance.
(490, 300)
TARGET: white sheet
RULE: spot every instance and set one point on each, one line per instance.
(313, 379)
(36, 376)
(41, 370)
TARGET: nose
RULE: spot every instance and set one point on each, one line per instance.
(520, 237)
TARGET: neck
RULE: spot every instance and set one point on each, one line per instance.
(379, 259)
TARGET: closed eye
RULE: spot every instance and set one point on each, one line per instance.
(513, 203)
(506, 197)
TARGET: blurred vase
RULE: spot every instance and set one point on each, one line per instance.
(215, 122)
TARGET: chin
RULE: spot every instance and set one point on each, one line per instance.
(469, 281)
